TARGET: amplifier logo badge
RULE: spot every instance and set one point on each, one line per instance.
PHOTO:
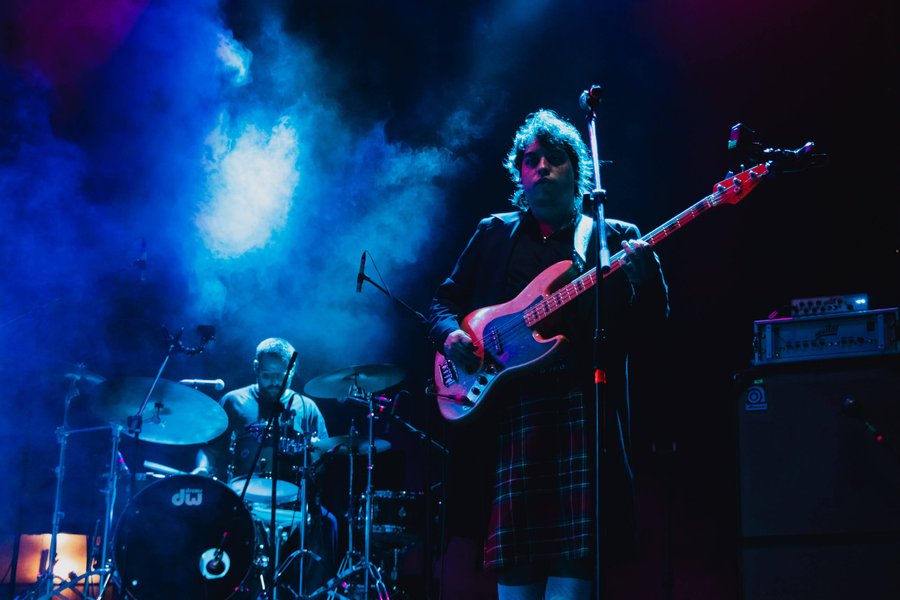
(755, 398)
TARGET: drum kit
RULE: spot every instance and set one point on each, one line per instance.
(192, 536)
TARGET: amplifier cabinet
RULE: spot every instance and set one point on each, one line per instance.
(807, 464)
(819, 498)
(824, 571)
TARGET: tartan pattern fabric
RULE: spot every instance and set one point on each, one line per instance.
(542, 507)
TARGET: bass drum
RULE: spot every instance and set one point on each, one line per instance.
(169, 533)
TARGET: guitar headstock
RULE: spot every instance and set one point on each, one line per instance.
(733, 189)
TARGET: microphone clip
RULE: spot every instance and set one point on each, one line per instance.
(590, 100)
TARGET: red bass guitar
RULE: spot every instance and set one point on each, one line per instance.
(506, 335)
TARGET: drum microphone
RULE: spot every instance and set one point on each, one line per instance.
(164, 469)
(215, 566)
(356, 400)
(215, 563)
(217, 383)
(380, 401)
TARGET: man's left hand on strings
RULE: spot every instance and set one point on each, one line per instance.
(641, 264)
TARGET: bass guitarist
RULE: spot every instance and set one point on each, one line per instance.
(539, 538)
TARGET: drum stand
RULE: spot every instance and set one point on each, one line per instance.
(46, 588)
(303, 552)
(337, 585)
(273, 432)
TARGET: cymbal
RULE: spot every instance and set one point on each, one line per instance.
(346, 444)
(175, 414)
(79, 374)
(370, 378)
(88, 377)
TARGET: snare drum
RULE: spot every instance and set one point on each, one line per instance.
(170, 532)
(260, 487)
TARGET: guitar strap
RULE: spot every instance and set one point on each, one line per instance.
(583, 230)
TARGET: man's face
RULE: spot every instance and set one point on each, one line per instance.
(269, 375)
(548, 178)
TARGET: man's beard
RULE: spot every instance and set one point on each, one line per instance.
(270, 394)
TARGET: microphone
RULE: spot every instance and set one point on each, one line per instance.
(121, 465)
(215, 562)
(217, 383)
(215, 567)
(354, 400)
(854, 408)
(393, 404)
(590, 99)
(161, 468)
(362, 272)
(791, 161)
(380, 402)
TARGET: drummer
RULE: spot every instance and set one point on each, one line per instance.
(252, 405)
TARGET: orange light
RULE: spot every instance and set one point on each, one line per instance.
(71, 553)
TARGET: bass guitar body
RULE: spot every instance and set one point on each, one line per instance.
(506, 344)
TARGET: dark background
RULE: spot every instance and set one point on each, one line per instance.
(381, 126)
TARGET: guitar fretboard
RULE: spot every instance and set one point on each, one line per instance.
(729, 191)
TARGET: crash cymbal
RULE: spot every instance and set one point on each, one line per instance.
(346, 444)
(339, 384)
(175, 414)
(87, 377)
(79, 373)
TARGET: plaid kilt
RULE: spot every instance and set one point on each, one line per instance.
(542, 507)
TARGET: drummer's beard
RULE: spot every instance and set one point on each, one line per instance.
(270, 394)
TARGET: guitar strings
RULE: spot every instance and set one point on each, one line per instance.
(518, 329)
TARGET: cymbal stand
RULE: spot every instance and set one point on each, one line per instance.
(371, 575)
(135, 423)
(302, 552)
(45, 586)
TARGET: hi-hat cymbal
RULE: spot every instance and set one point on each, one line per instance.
(346, 444)
(339, 384)
(175, 414)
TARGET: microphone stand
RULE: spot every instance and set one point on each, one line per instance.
(594, 205)
(429, 493)
(363, 277)
(46, 585)
(135, 423)
(304, 511)
(426, 562)
(273, 423)
(423, 437)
